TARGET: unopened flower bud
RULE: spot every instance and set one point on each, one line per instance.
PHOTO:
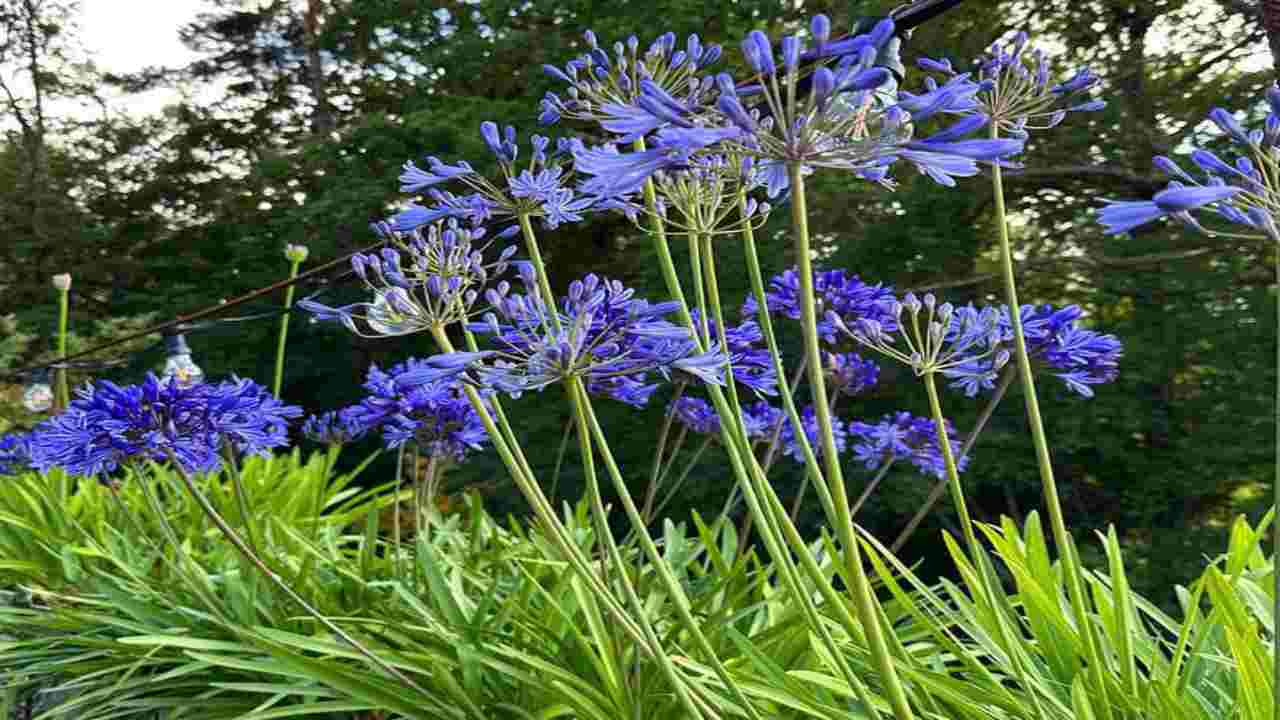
(62, 282)
(296, 253)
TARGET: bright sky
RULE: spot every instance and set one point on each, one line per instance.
(127, 35)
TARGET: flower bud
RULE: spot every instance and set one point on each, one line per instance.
(62, 282)
(296, 253)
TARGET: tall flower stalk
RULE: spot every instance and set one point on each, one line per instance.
(62, 283)
(296, 255)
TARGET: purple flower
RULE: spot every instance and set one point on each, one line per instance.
(696, 414)
(1015, 89)
(809, 420)
(1237, 192)
(434, 414)
(1122, 217)
(837, 291)
(849, 374)
(15, 453)
(902, 435)
(434, 280)
(601, 87)
(109, 425)
(336, 427)
(1080, 357)
(760, 418)
(607, 337)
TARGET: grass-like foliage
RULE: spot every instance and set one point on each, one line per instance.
(112, 623)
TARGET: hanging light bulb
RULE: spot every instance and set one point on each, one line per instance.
(179, 363)
(38, 396)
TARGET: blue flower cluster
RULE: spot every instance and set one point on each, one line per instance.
(809, 420)
(15, 453)
(1078, 356)
(433, 280)
(1016, 91)
(837, 292)
(697, 415)
(1238, 192)
(109, 425)
(602, 334)
(904, 436)
(849, 374)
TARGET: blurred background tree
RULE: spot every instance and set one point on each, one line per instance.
(291, 124)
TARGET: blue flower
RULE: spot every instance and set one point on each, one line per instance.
(602, 89)
(1237, 192)
(809, 419)
(1015, 88)
(1080, 357)
(837, 291)
(760, 418)
(1122, 217)
(15, 453)
(607, 337)
(849, 374)
(109, 425)
(902, 435)
(336, 427)
(697, 414)
(433, 280)
(433, 413)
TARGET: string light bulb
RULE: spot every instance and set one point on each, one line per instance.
(38, 395)
(179, 364)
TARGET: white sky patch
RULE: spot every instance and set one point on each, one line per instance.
(125, 36)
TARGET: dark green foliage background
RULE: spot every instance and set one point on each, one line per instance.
(166, 214)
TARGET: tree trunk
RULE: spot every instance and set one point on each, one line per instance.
(1271, 23)
(322, 122)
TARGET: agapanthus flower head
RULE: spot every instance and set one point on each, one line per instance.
(697, 415)
(840, 119)
(903, 436)
(1017, 90)
(415, 402)
(1235, 191)
(934, 338)
(760, 418)
(618, 175)
(433, 277)
(1079, 357)
(701, 199)
(335, 427)
(849, 373)
(109, 425)
(541, 188)
(603, 334)
(749, 360)
(835, 291)
(604, 82)
(809, 419)
(15, 453)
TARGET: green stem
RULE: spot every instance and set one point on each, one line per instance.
(655, 472)
(871, 487)
(242, 497)
(752, 480)
(504, 443)
(540, 269)
(284, 331)
(868, 608)
(588, 423)
(699, 289)
(949, 462)
(1070, 564)
(63, 396)
(1006, 379)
